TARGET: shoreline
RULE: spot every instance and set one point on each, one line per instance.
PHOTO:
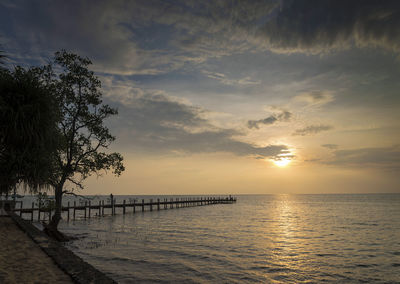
(70, 264)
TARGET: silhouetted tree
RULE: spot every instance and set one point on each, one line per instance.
(28, 130)
(82, 128)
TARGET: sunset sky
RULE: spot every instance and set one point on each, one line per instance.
(233, 97)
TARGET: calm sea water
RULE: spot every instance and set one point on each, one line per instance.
(261, 239)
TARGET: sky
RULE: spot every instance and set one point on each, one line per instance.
(233, 97)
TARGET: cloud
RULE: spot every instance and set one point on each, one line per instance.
(224, 80)
(385, 157)
(156, 37)
(321, 26)
(330, 146)
(132, 37)
(283, 116)
(312, 129)
(315, 97)
(153, 122)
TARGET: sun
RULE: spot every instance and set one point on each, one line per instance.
(282, 162)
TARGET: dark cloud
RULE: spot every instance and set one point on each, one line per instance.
(387, 157)
(153, 122)
(312, 129)
(131, 37)
(153, 37)
(316, 26)
(330, 146)
(283, 116)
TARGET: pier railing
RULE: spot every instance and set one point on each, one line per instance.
(133, 205)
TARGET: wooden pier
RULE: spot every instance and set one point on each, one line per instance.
(101, 209)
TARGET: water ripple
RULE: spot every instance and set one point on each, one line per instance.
(261, 239)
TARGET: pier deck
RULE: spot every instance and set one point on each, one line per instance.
(133, 205)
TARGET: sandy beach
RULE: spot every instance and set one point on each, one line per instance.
(22, 261)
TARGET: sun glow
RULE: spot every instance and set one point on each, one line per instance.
(282, 162)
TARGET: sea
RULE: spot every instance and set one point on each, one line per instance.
(326, 238)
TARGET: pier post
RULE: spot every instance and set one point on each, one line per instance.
(123, 208)
(85, 208)
(89, 208)
(74, 208)
(99, 208)
(134, 206)
(142, 205)
(68, 212)
(171, 205)
(33, 205)
(20, 211)
(38, 213)
(151, 204)
(158, 204)
(102, 209)
(112, 206)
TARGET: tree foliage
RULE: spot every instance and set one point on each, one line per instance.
(2, 57)
(28, 130)
(84, 137)
(52, 130)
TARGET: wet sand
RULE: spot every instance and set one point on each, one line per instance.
(22, 261)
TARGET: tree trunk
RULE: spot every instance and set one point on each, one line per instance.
(51, 229)
(58, 203)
